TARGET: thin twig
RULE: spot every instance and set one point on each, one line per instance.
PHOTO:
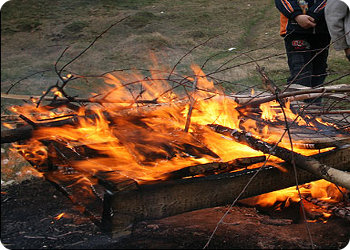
(26, 77)
(91, 44)
(189, 52)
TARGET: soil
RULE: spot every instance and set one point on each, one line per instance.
(28, 212)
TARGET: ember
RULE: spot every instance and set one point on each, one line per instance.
(320, 190)
(59, 216)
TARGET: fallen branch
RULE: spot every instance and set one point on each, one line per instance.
(310, 164)
(257, 101)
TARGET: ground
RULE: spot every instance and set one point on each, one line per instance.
(34, 33)
(28, 210)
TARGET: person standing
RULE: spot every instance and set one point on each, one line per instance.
(306, 38)
(337, 15)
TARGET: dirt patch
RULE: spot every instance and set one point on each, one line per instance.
(28, 212)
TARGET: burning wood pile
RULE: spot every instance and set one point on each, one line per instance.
(139, 151)
(153, 146)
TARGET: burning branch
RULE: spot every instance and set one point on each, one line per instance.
(25, 132)
(308, 163)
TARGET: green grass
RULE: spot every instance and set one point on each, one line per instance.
(141, 19)
(128, 4)
(250, 25)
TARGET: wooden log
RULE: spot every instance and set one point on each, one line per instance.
(167, 198)
(308, 163)
(25, 132)
(13, 135)
(307, 137)
(214, 167)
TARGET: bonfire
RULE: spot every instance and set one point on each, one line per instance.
(156, 143)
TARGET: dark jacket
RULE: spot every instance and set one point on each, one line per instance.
(291, 8)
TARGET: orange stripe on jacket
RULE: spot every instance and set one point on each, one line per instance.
(322, 6)
(283, 24)
(286, 3)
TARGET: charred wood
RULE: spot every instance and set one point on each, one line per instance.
(214, 167)
(171, 197)
(339, 210)
(25, 132)
(310, 164)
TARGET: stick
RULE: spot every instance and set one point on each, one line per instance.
(310, 164)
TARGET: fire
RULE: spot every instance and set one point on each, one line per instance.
(58, 217)
(145, 146)
(321, 190)
(56, 92)
(275, 113)
(140, 142)
(34, 152)
(7, 125)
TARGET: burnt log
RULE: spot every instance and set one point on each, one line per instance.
(308, 163)
(26, 132)
(166, 198)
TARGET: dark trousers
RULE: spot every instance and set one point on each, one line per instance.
(304, 69)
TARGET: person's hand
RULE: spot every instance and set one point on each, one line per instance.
(305, 21)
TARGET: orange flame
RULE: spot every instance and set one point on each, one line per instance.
(58, 217)
(321, 189)
(144, 143)
(276, 113)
